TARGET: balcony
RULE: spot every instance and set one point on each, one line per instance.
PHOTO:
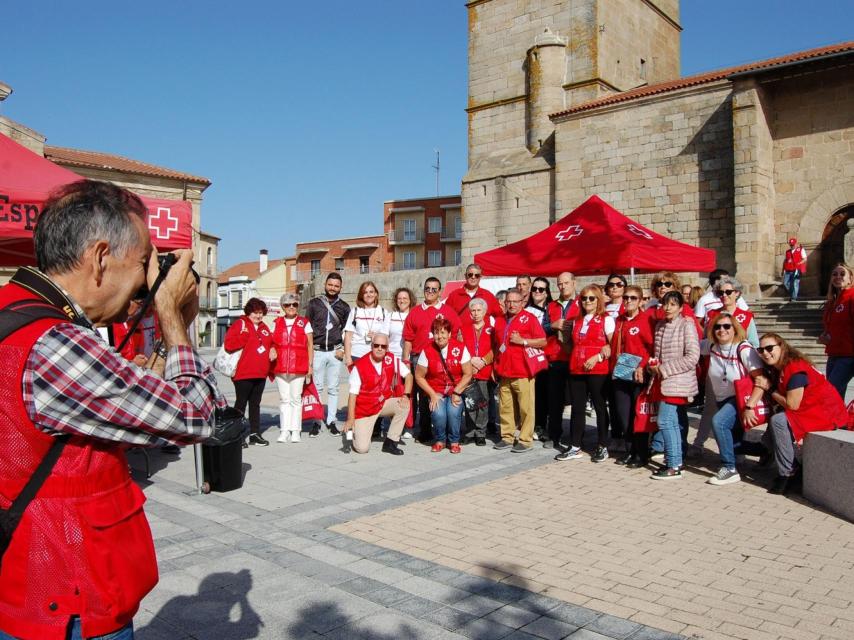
(207, 304)
(306, 276)
(399, 236)
(451, 234)
(407, 266)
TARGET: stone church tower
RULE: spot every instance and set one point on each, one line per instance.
(528, 60)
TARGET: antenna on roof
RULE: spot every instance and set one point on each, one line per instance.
(436, 167)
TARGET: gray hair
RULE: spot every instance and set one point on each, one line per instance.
(288, 297)
(732, 281)
(474, 265)
(478, 302)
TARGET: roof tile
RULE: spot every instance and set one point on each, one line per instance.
(99, 160)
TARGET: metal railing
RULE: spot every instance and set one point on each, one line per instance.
(406, 266)
(400, 236)
(450, 234)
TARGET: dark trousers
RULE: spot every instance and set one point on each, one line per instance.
(249, 392)
(541, 399)
(558, 379)
(580, 386)
(625, 394)
(421, 401)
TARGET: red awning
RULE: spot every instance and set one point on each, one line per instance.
(595, 239)
(26, 180)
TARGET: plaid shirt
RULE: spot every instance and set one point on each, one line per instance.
(74, 383)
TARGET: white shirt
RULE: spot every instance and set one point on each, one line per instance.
(724, 366)
(289, 324)
(422, 359)
(536, 312)
(360, 322)
(613, 309)
(356, 379)
(709, 301)
(610, 324)
(395, 331)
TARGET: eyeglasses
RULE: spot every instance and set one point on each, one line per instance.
(727, 292)
(290, 304)
(375, 345)
(631, 298)
(723, 327)
(615, 284)
(473, 275)
(767, 348)
(509, 301)
(663, 283)
(431, 289)
(539, 289)
(588, 298)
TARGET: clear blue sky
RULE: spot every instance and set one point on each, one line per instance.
(305, 115)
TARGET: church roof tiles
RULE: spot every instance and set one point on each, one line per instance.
(98, 160)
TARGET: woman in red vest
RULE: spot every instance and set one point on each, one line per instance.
(443, 372)
(729, 290)
(293, 351)
(838, 334)
(588, 371)
(478, 333)
(251, 334)
(808, 400)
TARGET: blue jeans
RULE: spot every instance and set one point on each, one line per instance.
(668, 427)
(74, 633)
(327, 375)
(792, 282)
(446, 420)
(682, 418)
(840, 370)
(729, 434)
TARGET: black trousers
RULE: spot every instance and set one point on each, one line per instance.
(541, 399)
(580, 387)
(249, 392)
(557, 398)
(625, 396)
(421, 402)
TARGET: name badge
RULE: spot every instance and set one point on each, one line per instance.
(328, 325)
(261, 349)
(502, 348)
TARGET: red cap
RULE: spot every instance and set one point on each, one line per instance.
(793, 241)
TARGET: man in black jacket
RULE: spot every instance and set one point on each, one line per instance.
(328, 314)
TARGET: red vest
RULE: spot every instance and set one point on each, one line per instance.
(821, 408)
(632, 336)
(244, 335)
(839, 324)
(291, 347)
(791, 262)
(437, 377)
(586, 346)
(743, 316)
(480, 346)
(136, 343)
(83, 546)
(376, 387)
(554, 351)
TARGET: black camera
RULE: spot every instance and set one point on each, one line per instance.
(165, 262)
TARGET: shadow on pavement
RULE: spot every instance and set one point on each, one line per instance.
(332, 621)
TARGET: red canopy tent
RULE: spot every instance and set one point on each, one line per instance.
(26, 180)
(594, 239)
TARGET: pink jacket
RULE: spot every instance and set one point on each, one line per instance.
(678, 351)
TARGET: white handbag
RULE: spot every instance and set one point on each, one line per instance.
(225, 362)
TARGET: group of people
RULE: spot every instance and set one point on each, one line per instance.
(449, 371)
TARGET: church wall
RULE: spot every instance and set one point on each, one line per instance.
(666, 162)
(500, 128)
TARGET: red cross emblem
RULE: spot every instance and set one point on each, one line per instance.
(523, 319)
(638, 231)
(387, 359)
(163, 223)
(840, 308)
(741, 318)
(634, 331)
(570, 232)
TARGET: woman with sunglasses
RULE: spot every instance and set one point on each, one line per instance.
(443, 372)
(293, 352)
(588, 371)
(365, 319)
(809, 403)
(838, 334)
(632, 336)
(676, 353)
(478, 334)
(728, 289)
(731, 357)
(615, 287)
(538, 301)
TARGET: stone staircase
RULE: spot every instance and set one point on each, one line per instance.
(798, 322)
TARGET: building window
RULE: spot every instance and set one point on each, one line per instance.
(315, 268)
(339, 264)
(236, 299)
(434, 258)
(434, 225)
(223, 301)
(458, 257)
(364, 264)
(458, 227)
(408, 259)
(210, 260)
(409, 230)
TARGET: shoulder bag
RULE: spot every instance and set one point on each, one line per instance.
(225, 362)
(472, 396)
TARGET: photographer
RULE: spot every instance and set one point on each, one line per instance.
(82, 557)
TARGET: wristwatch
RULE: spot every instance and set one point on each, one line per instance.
(162, 351)
(524, 343)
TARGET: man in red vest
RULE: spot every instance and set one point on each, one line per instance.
(379, 388)
(459, 299)
(794, 267)
(81, 558)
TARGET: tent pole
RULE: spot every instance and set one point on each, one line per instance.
(632, 274)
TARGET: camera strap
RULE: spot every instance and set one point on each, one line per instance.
(144, 305)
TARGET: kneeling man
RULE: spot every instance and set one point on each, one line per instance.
(380, 385)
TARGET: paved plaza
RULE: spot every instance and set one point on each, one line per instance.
(323, 544)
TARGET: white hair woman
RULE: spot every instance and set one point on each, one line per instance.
(293, 351)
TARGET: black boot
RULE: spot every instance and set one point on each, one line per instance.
(390, 446)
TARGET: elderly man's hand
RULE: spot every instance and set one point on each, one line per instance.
(177, 298)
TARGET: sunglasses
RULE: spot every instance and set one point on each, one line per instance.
(375, 345)
(723, 327)
(631, 298)
(588, 298)
(290, 304)
(839, 274)
(539, 289)
(727, 292)
(615, 284)
(431, 289)
(663, 283)
(767, 348)
(473, 275)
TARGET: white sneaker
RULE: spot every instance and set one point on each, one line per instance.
(657, 456)
(295, 436)
(407, 435)
(724, 476)
(285, 437)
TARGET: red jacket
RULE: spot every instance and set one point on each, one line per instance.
(84, 546)
(590, 344)
(634, 336)
(134, 346)
(437, 377)
(482, 345)
(376, 387)
(821, 408)
(255, 341)
(839, 324)
(416, 329)
(795, 260)
(291, 347)
(554, 351)
(656, 314)
(510, 360)
(459, 300)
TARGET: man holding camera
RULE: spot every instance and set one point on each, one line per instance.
(82, 558)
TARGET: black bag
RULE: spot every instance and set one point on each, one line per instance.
(229, 425)
(472, 396)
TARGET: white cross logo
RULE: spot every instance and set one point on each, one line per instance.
(455, 352)
(634, 331)
(163, 223)
(638, 231)
(570, 232)
(741, 318)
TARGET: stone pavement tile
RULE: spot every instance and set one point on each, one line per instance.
(521, 635)
(449, 617)
(648, 633)
(417, 607)
(483, 629)
(537, 603)
(324, 611)
(613, 627)
(573, 614)
(549, 628)
(478, 606)
(432, 590)
(387, 626)
(387, 596)
(586, 634)
(512, 616)
(377, 571)
(361, 585)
